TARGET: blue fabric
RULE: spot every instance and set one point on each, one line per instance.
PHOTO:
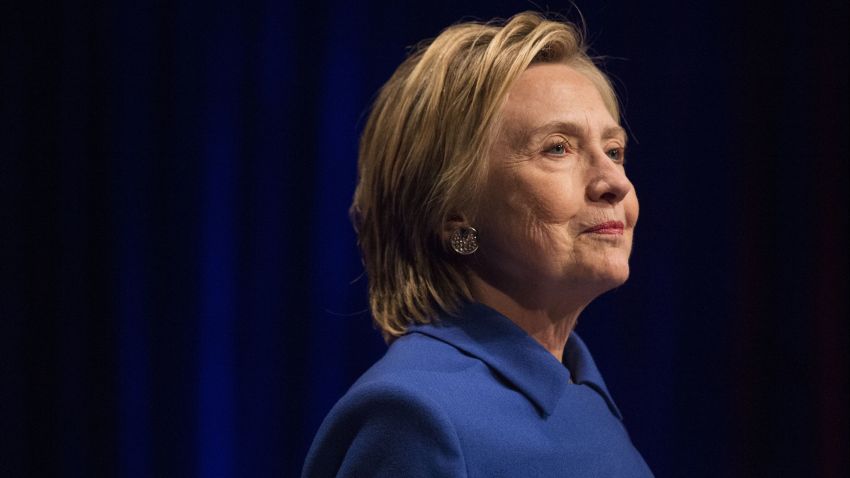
(475, 396)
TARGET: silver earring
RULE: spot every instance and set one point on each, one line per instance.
(464, 240)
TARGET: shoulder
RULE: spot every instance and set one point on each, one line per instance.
(416, 357)
(387, 424)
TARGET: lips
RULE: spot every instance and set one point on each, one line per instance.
(610, 227)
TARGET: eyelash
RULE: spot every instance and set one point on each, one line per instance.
(562, 144)
(619, 153)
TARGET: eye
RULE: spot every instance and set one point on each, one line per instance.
(617, 155)
(558, 149)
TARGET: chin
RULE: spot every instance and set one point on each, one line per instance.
(621, 277)
(610, 277)
(617, 277)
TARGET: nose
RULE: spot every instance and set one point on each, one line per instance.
(607, 181)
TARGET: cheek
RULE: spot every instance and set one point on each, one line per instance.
(547, 199)
(632, 208)
(538, 217)
(530, 208)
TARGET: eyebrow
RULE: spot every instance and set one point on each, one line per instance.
(571, 128)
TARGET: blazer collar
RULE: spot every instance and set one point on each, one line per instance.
(491, 337)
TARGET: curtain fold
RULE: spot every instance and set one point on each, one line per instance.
(183, 294)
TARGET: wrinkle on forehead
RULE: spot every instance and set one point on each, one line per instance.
(567, 112)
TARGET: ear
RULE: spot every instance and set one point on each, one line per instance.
(451, 224)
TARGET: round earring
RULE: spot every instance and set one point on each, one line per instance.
(464, 240)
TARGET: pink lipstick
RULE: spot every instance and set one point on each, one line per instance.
(610, 227)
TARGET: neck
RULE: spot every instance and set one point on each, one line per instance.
(548, 318)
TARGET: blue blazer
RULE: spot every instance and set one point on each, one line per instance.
(475, 396)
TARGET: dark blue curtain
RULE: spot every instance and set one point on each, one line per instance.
(182, 291)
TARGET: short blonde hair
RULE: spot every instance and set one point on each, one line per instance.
(423, 156)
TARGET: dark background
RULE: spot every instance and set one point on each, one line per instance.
(182, 292)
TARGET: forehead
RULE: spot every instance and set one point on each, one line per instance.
(549, 92)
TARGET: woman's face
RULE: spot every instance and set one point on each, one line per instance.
(558, 211)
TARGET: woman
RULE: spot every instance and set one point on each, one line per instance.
(492, 207)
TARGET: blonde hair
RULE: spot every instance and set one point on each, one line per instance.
(423, 156)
